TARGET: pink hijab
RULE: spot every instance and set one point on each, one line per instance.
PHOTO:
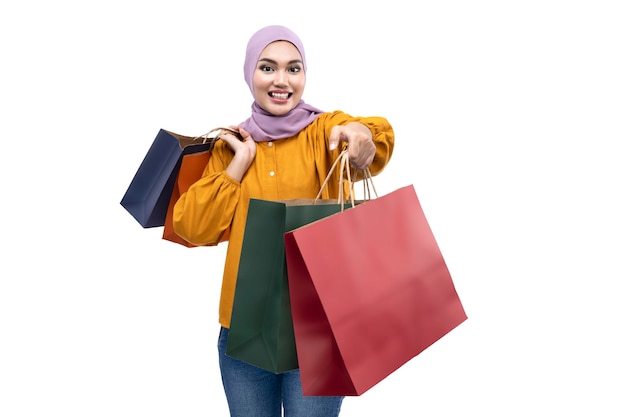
(262, 125)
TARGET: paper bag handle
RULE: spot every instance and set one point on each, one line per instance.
(213, 135)
(344, 163)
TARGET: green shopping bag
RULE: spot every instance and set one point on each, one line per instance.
(261, 329)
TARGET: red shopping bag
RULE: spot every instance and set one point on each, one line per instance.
(369, 291)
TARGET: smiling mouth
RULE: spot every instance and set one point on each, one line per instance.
(280, 96)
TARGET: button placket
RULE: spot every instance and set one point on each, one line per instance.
(271, 173)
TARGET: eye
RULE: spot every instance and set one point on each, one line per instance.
(265, 68)
(295, 69)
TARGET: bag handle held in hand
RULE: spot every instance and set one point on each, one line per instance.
(213, 135)
(344, 165)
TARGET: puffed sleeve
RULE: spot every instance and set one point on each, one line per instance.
(383, 137)
(203, 214)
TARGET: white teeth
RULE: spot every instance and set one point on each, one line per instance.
(280, 95)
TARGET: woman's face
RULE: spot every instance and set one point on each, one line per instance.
(279, 78)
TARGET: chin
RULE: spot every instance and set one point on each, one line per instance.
(279, 110)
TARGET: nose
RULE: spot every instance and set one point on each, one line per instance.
(281, 78)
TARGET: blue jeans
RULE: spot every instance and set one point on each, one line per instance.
(254, 392)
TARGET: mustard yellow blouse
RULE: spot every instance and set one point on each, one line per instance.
(282, 170)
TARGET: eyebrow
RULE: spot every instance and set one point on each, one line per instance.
(271, 61)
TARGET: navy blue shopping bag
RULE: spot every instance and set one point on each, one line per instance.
(148, 195)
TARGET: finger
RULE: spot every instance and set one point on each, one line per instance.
(334, 138)
(244, 133)
(339, 134)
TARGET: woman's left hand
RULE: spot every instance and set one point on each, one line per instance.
(361, 148)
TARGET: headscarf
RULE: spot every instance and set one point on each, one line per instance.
(263, 125)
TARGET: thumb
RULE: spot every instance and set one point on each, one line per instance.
(335, 137)
(244, 133)
(332, 143)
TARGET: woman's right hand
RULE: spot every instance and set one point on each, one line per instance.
(244, 150)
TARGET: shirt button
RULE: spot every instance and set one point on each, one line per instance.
(270, 144)
(271, 173)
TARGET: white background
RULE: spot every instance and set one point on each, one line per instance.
(509, 121)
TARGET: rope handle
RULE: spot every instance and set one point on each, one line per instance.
(213, 135)
(344, 169)
(368, 183)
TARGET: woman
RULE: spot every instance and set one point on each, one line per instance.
(287, 150)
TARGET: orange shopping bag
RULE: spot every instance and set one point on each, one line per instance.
(191, 169)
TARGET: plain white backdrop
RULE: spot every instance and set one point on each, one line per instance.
(510, 123)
